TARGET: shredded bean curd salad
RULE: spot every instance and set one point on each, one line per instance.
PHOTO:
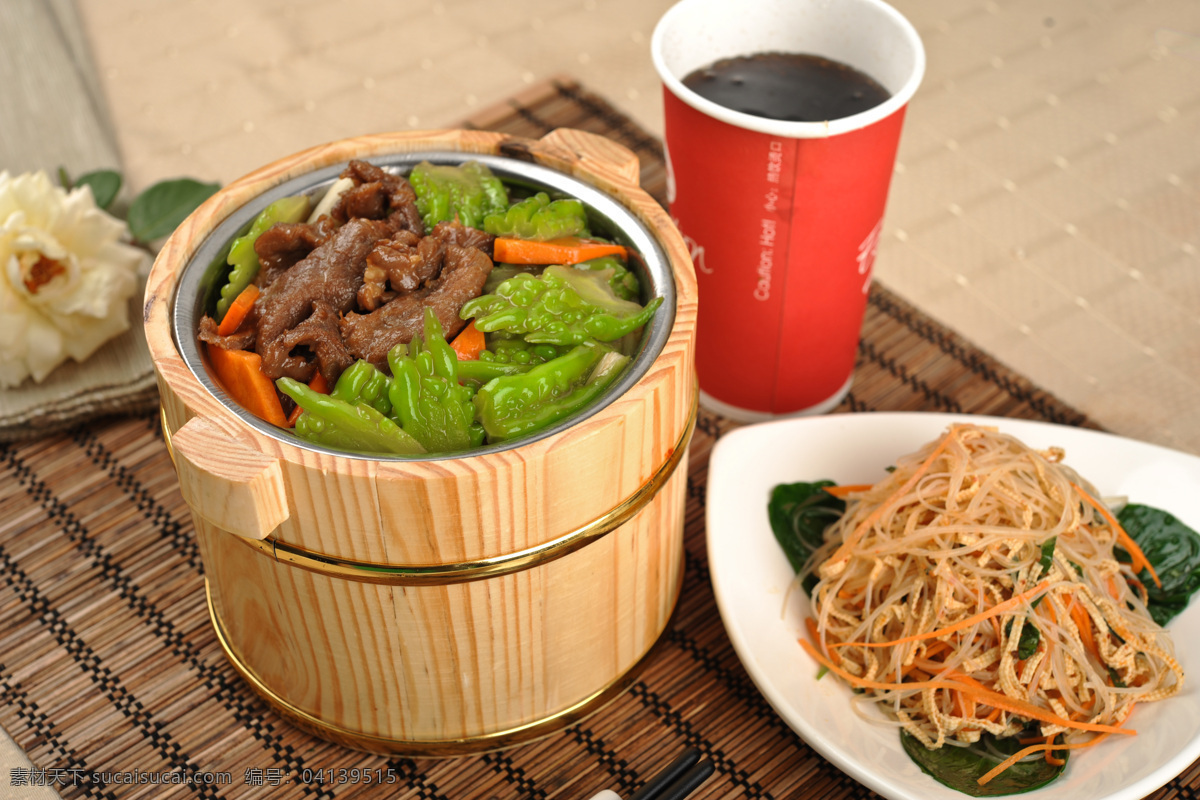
(987, 601)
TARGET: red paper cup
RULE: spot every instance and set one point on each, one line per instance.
(782, 217)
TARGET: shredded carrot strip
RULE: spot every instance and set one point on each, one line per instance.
(811, 624)
(967, 679)
(842, 553)
(984, 696)
(1017, 756)
(840, 492)
(936, 648)
(1140, 561)
(995, 610)
(1082, 621)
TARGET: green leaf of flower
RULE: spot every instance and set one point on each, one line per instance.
(105, 183)
(158, 211)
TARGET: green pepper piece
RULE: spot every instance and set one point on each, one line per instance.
(539, 218)
(623, 282)
(479, 371)
(362, 383)
(502, 272)
(562, 306)
(335, 423)
(242, 257)
(519, 405)
(425, 393)
(468, 192)
(519, 351)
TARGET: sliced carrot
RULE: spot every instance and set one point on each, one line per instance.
(1140, 561)
(995, 610)
(996, 627)
(936, 648)
(1084, 623)
(967, 679)
(240, 372)
(982, 696)
(1047, 746)
(843, 551)
(811, 624)
(317, 384)
(840, 492)
(238, 310)
(469, 343)
(960, 705)
(570, 250)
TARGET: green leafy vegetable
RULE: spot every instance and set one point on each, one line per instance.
(468, 192)
(158, 211)
(1173, 549)
(242, 256)
(519, 351)
(1027, 645)
(961, 768)
(1047, 556)
(799, 514)
(562, 306)
(539, 218)
(105, 185)
(517, 405)
(623, 282)
(426, 396)
(362, 383)
(335, 423)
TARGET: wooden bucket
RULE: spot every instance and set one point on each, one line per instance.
(444, 605)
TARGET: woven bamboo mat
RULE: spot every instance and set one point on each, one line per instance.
(108, 663)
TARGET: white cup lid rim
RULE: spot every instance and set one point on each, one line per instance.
(786, 128)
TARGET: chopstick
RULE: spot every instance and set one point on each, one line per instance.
(687, 782)
(674, 782)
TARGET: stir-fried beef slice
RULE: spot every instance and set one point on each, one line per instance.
(331, 275)
(368, 201)
(407, 261)
(320, 335)
(241, 339)
(371, 336)
(374, 292)
(457, 233)
(284, 244)
(378, 194)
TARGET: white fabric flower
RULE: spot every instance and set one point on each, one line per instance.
(65, 276)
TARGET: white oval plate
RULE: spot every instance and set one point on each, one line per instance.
(750, 577)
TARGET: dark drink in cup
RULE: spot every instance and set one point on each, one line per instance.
(782, 122)
(797, 87)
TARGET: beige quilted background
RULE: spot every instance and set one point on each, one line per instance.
(1046, 203)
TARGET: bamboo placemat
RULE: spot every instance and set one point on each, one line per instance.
(108, 662)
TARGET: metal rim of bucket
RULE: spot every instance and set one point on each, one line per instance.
(613, 218)
(480, 569)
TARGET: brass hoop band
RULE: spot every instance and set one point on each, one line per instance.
(436, 748)
(421, 575)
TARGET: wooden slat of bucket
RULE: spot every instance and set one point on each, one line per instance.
(108, 661)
